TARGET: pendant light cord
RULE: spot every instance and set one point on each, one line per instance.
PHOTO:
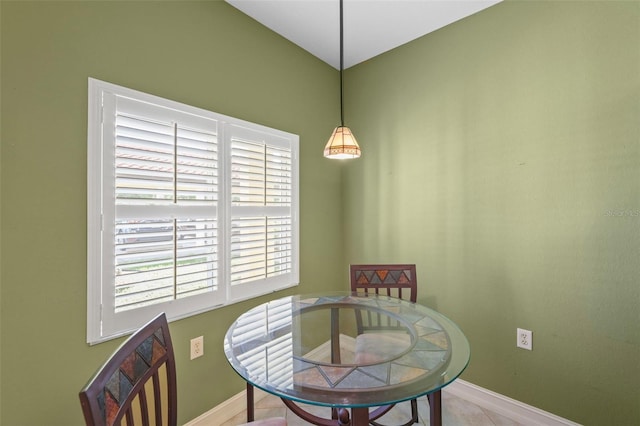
(341, 66)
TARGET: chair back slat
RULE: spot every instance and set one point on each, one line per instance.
(137, 385)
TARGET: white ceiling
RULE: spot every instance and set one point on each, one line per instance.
(371, 27)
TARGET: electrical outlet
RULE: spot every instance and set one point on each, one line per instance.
(197, 347)
(525, 339)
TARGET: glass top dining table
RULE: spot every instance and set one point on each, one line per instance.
(323, 350)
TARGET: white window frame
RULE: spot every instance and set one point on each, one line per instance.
(103, 323)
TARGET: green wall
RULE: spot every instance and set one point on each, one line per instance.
(501, 154)
(205, 54)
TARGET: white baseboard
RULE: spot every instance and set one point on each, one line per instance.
(505, 406)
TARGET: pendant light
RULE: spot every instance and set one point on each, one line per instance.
(342, 143)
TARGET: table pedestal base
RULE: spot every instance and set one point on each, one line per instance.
(359, 415)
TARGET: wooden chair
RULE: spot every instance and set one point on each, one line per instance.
(399, 281)
(137, 384)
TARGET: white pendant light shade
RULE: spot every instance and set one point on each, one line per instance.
(342, 144)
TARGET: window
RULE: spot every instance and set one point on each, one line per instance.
(187, 210)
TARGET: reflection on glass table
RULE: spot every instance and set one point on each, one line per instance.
(346, 352)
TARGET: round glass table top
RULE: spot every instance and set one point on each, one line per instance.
(344, 350)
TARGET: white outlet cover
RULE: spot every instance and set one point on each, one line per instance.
(524, 339)
(197, 347)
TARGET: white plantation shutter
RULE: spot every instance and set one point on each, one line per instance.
(163, 231)
(160, 241)
(263, 222)
(163, 168)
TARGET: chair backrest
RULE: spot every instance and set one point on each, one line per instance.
(398, 280)
(137, 385)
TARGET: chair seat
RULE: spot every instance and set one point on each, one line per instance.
(372, 348)
(274, 421)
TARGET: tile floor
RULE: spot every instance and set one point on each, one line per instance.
(455, 412)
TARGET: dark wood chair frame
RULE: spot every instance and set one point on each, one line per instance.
(92, 396)
(398, 290)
